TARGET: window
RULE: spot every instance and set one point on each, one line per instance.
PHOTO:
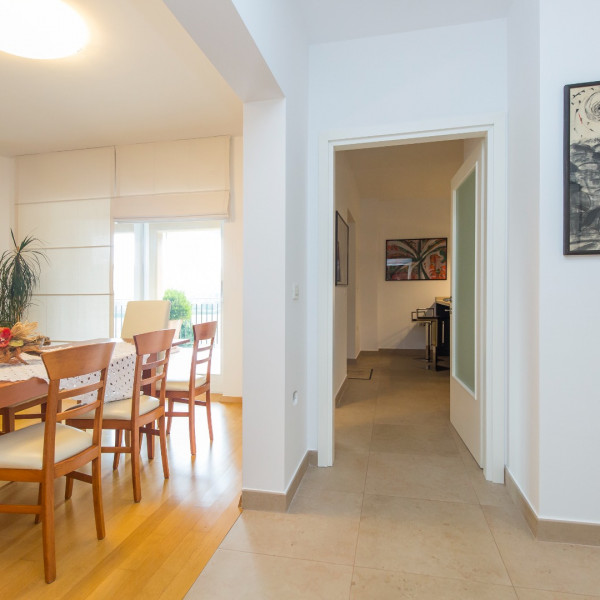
(151, 257)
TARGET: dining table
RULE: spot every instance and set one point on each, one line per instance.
(25, 384)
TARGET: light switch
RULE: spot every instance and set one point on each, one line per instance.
(295, 291)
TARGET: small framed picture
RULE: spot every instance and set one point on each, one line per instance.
(581, 228)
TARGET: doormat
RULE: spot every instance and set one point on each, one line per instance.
(364, 374)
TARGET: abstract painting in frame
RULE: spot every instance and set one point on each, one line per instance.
(582, 169)
(342, 240)
(416, 259)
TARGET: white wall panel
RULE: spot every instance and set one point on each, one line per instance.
(167, 167)
(73, 175)
(72, 318)
(67, 224)
(76, 271)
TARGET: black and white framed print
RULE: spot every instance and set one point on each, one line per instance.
(581, 233)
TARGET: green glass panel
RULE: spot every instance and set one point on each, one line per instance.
(463, 298)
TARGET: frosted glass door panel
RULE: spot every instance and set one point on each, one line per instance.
(463, 297)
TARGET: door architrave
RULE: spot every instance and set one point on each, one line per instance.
(492, 128)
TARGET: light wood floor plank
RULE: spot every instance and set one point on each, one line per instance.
(154, 549)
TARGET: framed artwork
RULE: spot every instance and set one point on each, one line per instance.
(581, 228)
(342, 235)
(416, 259)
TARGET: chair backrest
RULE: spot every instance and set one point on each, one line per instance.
(72, 362)
(143, 316)
(153, 350)
(204, 341)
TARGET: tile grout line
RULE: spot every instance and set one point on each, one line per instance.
(372, 419)
(499, 551)
(467, 474)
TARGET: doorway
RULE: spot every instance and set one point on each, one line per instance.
(492, 306)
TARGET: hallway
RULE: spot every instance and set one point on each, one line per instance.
(404, 513)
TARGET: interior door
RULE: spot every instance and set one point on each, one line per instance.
(466, 367)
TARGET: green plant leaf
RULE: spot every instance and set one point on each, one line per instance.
(181, 307)
(20, 269)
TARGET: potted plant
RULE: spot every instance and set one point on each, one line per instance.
(20, 269)
(181, 311)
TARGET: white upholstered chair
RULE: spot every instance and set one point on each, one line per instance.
(143, 316)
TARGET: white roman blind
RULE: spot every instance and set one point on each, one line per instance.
(63, 198)
(165, 180)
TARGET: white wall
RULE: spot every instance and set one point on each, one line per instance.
(7, 199)
(414, 202)
(397, 299)
(569, 285)
(353, 304)
(264, 297)
(260, 51)
(420, 77)
(275, 28)
(347, 202)
(369, 276)
(386, 81)
(553, 442)
(523, 247)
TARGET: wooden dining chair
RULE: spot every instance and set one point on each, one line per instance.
(138, 415)
(16, 411)
(185, 387)
(44, 451)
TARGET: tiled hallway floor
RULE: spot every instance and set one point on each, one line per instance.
(404, 513)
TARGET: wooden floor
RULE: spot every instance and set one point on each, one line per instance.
(154, 549)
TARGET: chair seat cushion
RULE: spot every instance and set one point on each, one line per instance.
(24, 448)
(181, 383)
(121, 409)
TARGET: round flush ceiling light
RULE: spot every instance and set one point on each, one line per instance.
(41, 29)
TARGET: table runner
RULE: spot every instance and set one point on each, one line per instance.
(120, 372)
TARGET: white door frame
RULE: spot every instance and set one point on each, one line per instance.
(494, 304)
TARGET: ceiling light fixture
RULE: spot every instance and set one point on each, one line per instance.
(42, 29)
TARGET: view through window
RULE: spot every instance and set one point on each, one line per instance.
(153, 259)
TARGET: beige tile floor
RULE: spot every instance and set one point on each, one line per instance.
(404, 513)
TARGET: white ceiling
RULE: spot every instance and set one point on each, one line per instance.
(140, 79)
(143, 79)
(335, 20)
(407, 172)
